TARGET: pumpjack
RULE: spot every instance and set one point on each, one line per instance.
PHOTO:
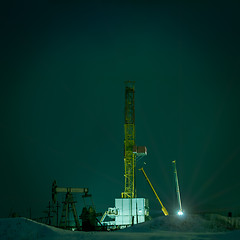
(68, 205)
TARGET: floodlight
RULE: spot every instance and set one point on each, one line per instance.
(180, 213)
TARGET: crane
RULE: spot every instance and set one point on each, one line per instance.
(180, 211)
(163, 208)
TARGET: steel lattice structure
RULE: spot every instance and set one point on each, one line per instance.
(129, 142)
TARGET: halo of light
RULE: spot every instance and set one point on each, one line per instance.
(180, 213)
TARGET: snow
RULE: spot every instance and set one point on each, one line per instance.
(192, 227)
(191, 223)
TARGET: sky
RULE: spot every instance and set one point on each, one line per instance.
(63, 67)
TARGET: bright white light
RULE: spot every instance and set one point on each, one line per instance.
(180, 213)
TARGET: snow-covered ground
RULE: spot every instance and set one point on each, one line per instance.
(192, 227)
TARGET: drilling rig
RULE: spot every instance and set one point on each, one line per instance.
(129, 143)
(129, 209)
(132, 153)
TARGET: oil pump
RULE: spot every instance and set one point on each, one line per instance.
(68, 204)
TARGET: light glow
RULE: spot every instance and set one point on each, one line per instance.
(180, 213)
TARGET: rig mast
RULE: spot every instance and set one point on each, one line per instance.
(129, 142)
(129, 209)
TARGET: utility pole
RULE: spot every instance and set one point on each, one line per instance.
(57, 212)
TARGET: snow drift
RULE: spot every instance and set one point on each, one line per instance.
(191, 223)
(172, 227)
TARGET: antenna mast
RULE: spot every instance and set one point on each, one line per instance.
(180, 212)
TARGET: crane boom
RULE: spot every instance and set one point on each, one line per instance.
(163, 208)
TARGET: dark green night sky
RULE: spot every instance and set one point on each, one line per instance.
(63, 67)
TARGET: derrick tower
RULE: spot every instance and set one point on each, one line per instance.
(129, 209)
(129, 142)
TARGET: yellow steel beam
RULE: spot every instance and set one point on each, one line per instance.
(163, 208)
